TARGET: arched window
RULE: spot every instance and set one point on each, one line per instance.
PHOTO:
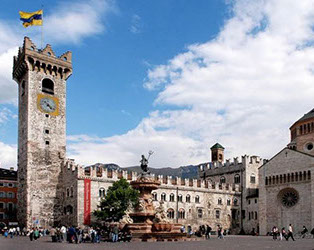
(155, 196)
(222, 179)
(170, 213)
(163, 197)
(252, 179)
(47, 86)
(102, 192)
(72, 192)
(188, 198)
(180, 198)
(200, 213)
(255, 215)
(217, 214)
(171, 198)
(228, 202)
(68, 192)
(69, 209)
(219, 201)
(235, 202)
(237, 179)
(181, 213)
(197, 199)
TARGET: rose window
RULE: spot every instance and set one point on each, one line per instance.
(289, 198)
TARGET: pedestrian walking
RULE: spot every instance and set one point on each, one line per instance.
(36, 234)
(208, 232)
(11, 232)
(275, 232)
(290, 233)
(31, 234)
(115, 233)
(63, 230)
(283, 233)
(220, 232)
(304, 231)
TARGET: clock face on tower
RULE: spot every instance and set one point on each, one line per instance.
(48, 104)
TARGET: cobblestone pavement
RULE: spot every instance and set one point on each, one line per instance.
(230, 242)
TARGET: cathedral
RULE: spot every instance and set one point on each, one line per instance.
(241, 195)
(286, 189)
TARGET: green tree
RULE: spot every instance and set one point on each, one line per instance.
(119, 196)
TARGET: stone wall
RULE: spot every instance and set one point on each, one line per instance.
(208, 196)
(245, 170)
(292, 170)
(39, 163)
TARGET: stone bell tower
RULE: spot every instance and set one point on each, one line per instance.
(217, 153)
(41, 78)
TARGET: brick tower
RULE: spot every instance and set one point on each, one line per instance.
(302, 134)
(217, 153)
(41, 78)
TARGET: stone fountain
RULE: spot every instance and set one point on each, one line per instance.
(145, 222)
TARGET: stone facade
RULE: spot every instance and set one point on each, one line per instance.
(187, 201)
(41, 77)
(286, 183)
(243, 173)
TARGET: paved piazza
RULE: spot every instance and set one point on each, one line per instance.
(231, 242)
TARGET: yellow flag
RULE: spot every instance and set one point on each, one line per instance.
(34, 18)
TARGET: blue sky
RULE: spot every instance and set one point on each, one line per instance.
(171, 76)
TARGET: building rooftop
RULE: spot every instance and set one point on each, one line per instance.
(307, 116)
(217, 145)
(7, 174)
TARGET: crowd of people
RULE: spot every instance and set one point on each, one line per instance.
(113, 233)
(205, 231)
(288, 233)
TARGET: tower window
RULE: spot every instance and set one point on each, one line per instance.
(217, 214)
(200, 213)
(252, 179)
(48, 86)
(47, 115)
(47, 143)
(47, 131)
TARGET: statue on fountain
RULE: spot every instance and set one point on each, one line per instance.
(144, 164)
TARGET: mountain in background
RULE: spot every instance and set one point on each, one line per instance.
(190, 171)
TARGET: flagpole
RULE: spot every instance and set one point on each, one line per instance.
(42, 27)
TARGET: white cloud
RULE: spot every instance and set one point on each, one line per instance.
(136, 25)
(8, 154)
(71, 22)
(244, 89)
(6, 114)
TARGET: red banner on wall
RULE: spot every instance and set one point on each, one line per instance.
(87, 189)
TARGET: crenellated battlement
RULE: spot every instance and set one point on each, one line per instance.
(246, 160)
(100, 173)
(41, 60)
